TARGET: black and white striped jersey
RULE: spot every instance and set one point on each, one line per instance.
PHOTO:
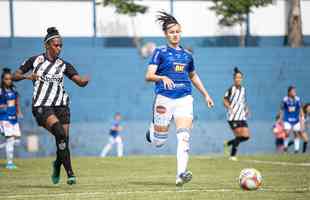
(49, 89)
(237, 99)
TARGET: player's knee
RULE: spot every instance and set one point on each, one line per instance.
(60, 135)
(183, 135)
(160, 138)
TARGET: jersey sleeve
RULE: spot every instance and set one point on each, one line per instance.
(156, 58)
(70, 71)
(27, 65)
(227, 94)
(191, 66)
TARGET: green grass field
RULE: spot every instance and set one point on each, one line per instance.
(285, 177)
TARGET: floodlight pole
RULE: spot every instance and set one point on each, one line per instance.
(94, 22)
(12, 34)
(171, 6)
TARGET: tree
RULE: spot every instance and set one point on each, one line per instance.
(295, 37)
(127, 7)
(234, 12)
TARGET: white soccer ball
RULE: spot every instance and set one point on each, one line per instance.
(250, 179)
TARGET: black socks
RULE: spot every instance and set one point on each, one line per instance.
(62, 144)
(235, 143)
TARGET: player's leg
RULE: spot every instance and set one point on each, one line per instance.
(9, 144)
(63, 114)
(120, 146)
(158, 131)
(287, 127)
(107, 147)
(183, 115)
(305, 138)
(297, 135)
(242, 134)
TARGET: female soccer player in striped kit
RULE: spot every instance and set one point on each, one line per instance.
(237, 111)
(50, 101)
(172, 69)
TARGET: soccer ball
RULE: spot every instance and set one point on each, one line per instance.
(250, 179)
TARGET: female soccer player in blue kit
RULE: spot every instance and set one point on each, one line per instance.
(9, 113)
(172, 69)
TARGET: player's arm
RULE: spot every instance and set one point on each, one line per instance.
(80, 80)
(281, 111)
(200, 87)
(151, 76)
(72, 74)
(18, 108)
(302, 117)
(21, 72)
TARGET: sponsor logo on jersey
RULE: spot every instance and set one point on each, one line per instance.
(179, 67)
(51, 78)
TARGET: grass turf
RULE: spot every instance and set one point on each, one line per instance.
(285, 177)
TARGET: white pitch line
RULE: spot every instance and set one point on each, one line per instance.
(278, 163)
(91, 194)
(114, 193)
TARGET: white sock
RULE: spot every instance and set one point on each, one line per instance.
(296, 144)
(286, 142)
(182, 151)
(10, 150)
(120, 149)
(106, 150)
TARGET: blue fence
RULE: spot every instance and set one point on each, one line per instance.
(118, 85)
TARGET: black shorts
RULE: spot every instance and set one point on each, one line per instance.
(279, 142)
(238, 124)
(43, 112)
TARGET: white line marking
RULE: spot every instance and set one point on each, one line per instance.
(278, 163)
(177, 190)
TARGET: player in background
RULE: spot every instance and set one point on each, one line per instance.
(280, 134)
(50, 102)
(115, 137)
(292, 116)
(10, 112)
(306, 131)
(237, 112)
(172, 70)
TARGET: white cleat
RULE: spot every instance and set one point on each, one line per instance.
(184, 178)
(233, 158)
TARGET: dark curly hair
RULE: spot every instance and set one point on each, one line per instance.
(166, 20)
(237, 71)
(52, 33)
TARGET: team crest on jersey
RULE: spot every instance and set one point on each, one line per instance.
(40, 59)
(179, 67)
(58, 62)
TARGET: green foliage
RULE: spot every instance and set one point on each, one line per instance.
(233, 12)
(126, 7)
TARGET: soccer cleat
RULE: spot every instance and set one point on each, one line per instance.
(184, 178)
(148, 137)
(11, 166)
(226, 148)
(233, 158)
(56, 173)
(71, 180)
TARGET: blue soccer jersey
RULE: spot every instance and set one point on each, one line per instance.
(291, 108)
(3, 115)
(176, 64)
(11, 101)
(115, 125)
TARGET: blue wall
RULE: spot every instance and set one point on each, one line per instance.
(118, 85)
